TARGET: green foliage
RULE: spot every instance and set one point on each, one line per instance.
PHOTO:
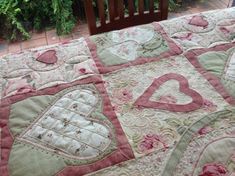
(64, 16)
(10, 24)
(172, 5)
(18, 17)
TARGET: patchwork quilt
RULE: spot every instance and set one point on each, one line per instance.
(156, 99)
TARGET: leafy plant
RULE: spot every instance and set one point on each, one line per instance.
(64, 16)
(18, 17)
(9, 13)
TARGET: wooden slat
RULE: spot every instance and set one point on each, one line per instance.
(127, 22)
(90, 16)
(111, 4)
(131, 7)
(116, 8)
(101, 12)
(121, 9)
(151, 6)
(122, 22)
(163, 7)
(141, 6)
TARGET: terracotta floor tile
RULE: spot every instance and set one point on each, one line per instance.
(52, 37)
(81, 29)
(14, 47)
(66, 38)
(85, 34)
(3, 52)
(76, 28)
(34, 43)
(76, 35)
(37, 35)
(3, 45)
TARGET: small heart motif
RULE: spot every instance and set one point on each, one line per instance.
(48, 57)
(199, 21)
(144, 99)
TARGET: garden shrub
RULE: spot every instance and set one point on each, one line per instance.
(18, 17)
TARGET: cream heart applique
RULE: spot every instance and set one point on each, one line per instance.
(126, 51)
(139, 35)
(67, 128)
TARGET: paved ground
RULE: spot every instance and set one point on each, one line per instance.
(50, 37)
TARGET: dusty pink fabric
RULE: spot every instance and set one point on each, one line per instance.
(122, 153)
(48, 57)
(214, 81)
(144, 99)
(198, 20)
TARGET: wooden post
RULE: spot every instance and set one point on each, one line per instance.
(116, 8)
(90, 16)
(163, 6)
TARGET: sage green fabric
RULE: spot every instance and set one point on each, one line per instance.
(229, 85)
(29, 109)
(26, 160)
(215, 62)
(152, 48)
(218, 151)
(187, 136)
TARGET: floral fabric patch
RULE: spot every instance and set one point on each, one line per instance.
(202, 30)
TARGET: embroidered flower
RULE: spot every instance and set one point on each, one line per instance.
(204, 130)
(168, 99)
(123, 95)
(224, 30)
(150, 142)
(228, 31)
(209, 106)
(82, 70)
(214, 169)
(117, 108)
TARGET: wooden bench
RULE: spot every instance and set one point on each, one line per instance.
(121, 15)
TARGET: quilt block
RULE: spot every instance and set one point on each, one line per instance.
(156, 99)
(216, 64)
(132, 46)
(69, 124)
(202, 30)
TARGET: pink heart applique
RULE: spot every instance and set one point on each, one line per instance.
(144, 99)
(199, 21)
(48, 57)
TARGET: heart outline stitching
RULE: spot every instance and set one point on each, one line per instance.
(144, 99)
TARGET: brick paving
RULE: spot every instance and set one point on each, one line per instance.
(49, 37)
